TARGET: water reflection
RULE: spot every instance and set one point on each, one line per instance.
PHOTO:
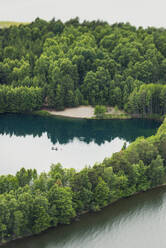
(64, 130)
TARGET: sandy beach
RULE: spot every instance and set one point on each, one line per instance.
(78, 112)
(86, 112)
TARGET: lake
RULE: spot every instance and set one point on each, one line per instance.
(37, 142)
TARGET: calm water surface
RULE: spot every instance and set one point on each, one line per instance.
(135, 222)
(27, 141)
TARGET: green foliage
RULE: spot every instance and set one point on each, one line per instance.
(101, 194)
(100, 111)
(20, 99)
(147, 100)
(61, 204)
(87, 63)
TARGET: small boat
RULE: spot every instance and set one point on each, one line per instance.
(54, 148)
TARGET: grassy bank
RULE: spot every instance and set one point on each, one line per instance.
(114, 116)
(41, 113)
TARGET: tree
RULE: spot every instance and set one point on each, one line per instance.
(100, 111)
(101, 194)
(40, 214)
(61, 209)
(156, 171)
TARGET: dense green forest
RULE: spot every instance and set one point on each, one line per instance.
(58, 65)
(77, 63)
(31, 203)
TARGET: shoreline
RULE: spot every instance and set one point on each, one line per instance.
(160, 130)
(87, 112)
(83, 112)
(77, 217)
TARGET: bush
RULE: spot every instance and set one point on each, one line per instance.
(100, 111)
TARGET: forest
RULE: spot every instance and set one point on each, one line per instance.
(72, 63)
(31, 203)
(58, 65)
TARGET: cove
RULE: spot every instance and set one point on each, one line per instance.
(28, 141)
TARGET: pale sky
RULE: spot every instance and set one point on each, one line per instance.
(137, 12)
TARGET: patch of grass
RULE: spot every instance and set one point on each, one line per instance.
(115, 116)
(7, 24)
(41, 113)
(118, 116)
